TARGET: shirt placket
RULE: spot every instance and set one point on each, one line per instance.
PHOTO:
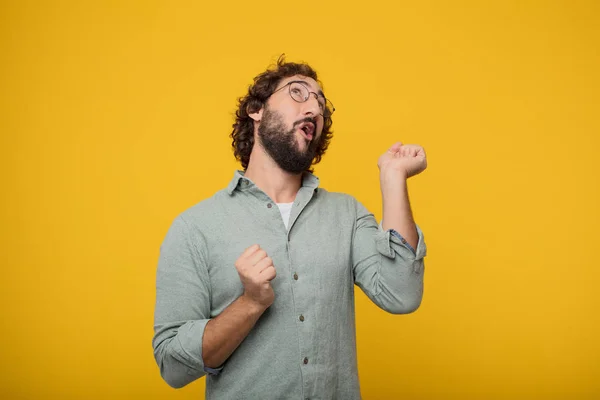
(300, 293)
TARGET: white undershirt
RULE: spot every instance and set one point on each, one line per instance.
(285, 209)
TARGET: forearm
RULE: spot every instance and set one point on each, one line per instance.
(397, 213)
(224, 333)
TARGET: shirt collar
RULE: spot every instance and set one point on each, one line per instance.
(308, 180)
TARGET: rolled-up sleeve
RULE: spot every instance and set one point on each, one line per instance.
(182, 306)
(387, 269)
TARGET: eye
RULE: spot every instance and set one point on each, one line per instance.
(296, 91)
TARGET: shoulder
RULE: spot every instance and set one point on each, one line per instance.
(333, 196)
(207, 211)
(193, 225)
(343, 201)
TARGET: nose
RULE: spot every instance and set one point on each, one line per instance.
(311, 106)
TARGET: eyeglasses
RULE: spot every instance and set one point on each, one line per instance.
(301, 93)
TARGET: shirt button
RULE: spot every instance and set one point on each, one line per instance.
(295, 277)
(301, 318)
(269, 205)
(305, 360)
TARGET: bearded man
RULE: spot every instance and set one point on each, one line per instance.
(255, 285)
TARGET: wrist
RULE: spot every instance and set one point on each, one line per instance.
(253, 306)
(392, 180)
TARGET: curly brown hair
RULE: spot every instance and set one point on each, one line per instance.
(258, 93)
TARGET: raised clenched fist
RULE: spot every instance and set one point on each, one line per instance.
(406, 160)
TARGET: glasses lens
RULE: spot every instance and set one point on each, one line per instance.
(322, 104)
(298, 92)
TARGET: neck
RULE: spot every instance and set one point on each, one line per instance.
(279, 185)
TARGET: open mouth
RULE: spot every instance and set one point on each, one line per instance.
(308, 129)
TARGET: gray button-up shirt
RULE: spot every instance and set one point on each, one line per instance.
(304, 345)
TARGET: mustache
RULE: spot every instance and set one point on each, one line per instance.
(307, 119)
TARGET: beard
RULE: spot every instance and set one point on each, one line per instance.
(282, 146)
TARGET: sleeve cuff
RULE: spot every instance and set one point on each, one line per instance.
(402, 240)
(213, 371)
(191, 348)
(386, 239)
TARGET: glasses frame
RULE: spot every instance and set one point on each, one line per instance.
(328, 104)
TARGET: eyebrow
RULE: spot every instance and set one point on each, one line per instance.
(320, 93)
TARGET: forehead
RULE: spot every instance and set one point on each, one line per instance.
(310, 82)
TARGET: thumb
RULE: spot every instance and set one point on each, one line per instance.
(395, 147)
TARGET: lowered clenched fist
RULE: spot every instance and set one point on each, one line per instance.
(403, 160)
(256, 272)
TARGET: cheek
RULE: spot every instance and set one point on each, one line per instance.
(290, 120)
(287, 116)
(320, 126)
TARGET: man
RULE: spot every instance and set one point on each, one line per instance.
(255, 285)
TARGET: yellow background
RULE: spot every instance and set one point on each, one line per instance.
(115, 116)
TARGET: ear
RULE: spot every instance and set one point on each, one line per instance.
(256, 116)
